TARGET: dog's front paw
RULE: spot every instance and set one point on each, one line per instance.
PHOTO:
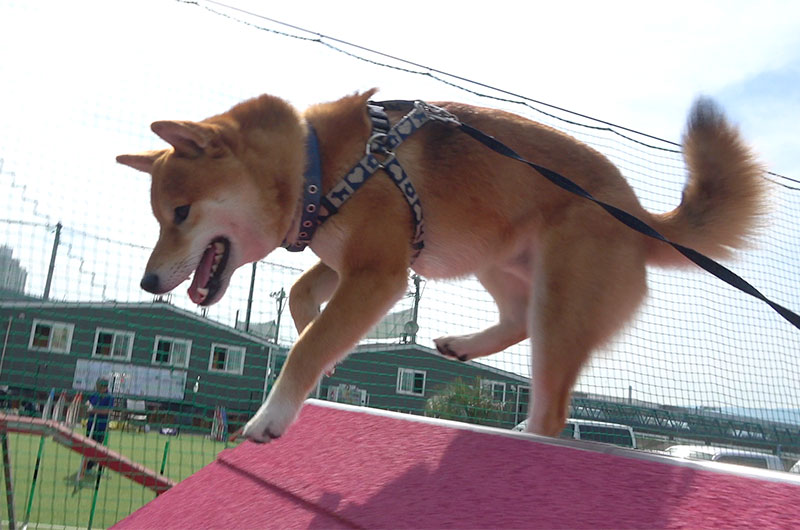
(271, 421)
(447, 347)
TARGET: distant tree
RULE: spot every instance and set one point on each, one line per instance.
(467, 402)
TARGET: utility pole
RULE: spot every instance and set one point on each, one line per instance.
(5, 344)
(250, 298)
(280, 298)
(49, 281)
(412, 336)
(269, 372)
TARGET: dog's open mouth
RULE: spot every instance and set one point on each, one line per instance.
(207, 278)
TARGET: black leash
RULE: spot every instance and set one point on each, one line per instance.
(718, 270)
(706, 263)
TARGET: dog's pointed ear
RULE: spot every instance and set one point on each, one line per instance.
(190, 139)
(142, 161)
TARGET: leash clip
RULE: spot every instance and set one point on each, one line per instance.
(436, 113)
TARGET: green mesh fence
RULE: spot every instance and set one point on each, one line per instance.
(701, 364)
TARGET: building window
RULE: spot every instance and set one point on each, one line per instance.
(51, 336)
(411, 381)
(523, 398)
(113, 344)
(494, 389)
(225, 358)
(171, 351)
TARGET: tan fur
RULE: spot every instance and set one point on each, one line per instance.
(561, 270)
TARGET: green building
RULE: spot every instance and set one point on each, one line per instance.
(179, 366)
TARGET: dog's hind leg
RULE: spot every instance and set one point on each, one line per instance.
(587, 283)
(511, 294)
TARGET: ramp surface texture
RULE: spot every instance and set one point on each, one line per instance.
(343, 467)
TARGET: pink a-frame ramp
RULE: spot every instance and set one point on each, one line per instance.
(88, 448)
(347, 467)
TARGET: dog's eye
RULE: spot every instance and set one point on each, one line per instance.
(181, 213)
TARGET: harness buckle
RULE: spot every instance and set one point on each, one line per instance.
(376, 145)
(376, 142)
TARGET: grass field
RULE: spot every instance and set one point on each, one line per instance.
(59, 501)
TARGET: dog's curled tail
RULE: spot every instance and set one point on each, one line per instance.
(724, 197)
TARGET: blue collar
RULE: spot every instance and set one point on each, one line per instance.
(312, 191)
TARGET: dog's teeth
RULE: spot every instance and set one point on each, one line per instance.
(203, 292)
(217, 259)
(219, 247)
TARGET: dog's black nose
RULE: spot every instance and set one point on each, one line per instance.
(150, 283)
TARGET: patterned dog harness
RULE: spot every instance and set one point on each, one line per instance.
(380, 154)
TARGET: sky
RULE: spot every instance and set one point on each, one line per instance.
(630, 63)
(82, 81)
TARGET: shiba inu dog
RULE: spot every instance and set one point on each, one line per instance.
(231, 188)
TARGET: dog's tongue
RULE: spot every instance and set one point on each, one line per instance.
(201, 276)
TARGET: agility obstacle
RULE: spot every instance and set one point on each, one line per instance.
(219, 427)
(87, 448)
(341, 466)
